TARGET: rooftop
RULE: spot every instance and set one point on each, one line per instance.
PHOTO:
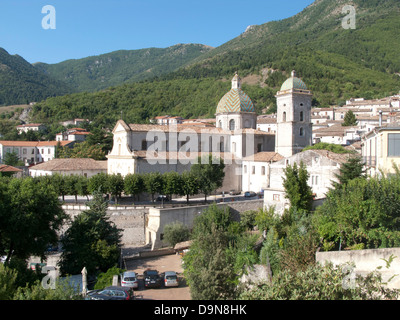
(71, 164)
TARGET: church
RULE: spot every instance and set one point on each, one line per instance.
(142, 148)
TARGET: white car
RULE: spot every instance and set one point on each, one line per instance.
(129, 279)
(171, 279)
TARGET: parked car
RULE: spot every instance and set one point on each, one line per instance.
(111, 293)
(249, 194)
(162, 198)
(129, 279)
(152, 279)
(171, 279)
(234, 192)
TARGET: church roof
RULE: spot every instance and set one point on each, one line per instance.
(293, 83)
(236, 100)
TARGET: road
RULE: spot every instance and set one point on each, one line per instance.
(161, 264)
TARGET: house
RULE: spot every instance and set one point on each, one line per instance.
(267, 123)
(30, 127)
(73, 166)
(338, 134)
(6, 170)
(381, 149)
(32, 152)
(321, 165)
(73, 134)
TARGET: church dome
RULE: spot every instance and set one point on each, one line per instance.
(236, 100)
(293, 83)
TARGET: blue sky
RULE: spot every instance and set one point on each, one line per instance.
(92, 27)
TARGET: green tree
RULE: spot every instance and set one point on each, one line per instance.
(12, 159)
(98, 182)
(353, 168)
(33, 218)
(297, 190)
(349, 119)
(153, 183)
(92, 241)
(115, 186)
(189, 185)
(133, 184)
(208, 267)
(210, 174)
(172, 183)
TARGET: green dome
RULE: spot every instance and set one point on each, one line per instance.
(293, 83)
(235, 100)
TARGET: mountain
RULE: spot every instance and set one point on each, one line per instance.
(119, 67)
(21, 83)
(335, 63)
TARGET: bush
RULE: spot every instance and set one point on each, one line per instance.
(176, 232)
(105, 278)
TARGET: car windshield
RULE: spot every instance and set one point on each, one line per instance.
(129, 279)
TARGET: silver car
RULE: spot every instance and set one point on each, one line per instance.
(171, 279)
(129, 279)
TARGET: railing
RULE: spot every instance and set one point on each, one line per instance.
(370, 161)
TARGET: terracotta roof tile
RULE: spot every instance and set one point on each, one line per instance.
(71, 164)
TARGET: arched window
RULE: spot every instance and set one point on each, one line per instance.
(301, 132)
(301, 116)
(247, 123)
(220, 124)
(232, 125)
(284, 116)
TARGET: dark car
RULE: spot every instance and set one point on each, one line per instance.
(111, 293)
(249, 194)
(162, 198)
(152, 279)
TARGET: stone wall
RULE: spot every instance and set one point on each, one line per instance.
(159, 218)
(367, 261)
(131, 220)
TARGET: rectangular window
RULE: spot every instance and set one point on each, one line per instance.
(253, 170)
(263, 170)
(394, 145)
(245, 169)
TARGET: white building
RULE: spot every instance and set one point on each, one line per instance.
(74, 166)
(31, 152)
(30, 127)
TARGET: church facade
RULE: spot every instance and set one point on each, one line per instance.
(249, 153)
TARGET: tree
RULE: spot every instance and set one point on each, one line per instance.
(33, 218)
(12, 159)
(210, 174)
(133, 184)
(349, 119)
(189, 185)
(82, 150)
(353, 168)
(172, 183)
(115, 185)
(98, 182)
(363, 213)
(297, 190)
(153, 183)
(92, 241)
(208, 268)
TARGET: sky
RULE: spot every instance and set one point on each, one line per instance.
(75, 29)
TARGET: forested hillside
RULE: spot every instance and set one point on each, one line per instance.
(21, 83)
(335, 63)
(116, 68)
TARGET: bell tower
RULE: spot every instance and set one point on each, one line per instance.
(294, 127)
